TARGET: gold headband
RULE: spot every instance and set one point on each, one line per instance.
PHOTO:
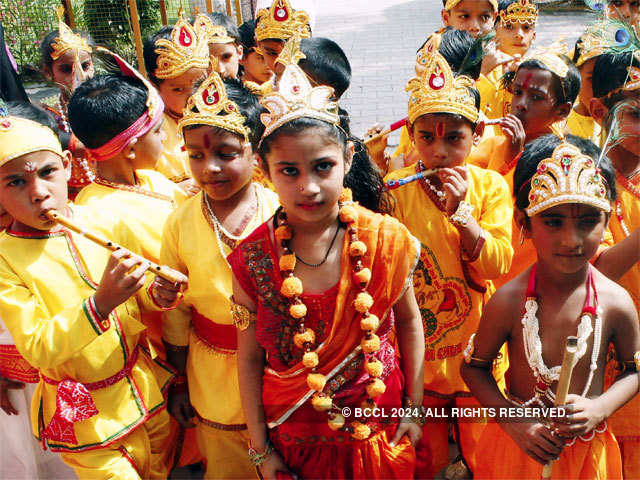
(214, 33)
(19, 136)
(568, 176)
(66, 39)
(520, 11)
(438, 91)
(453, 3)
(186, 49)
(281, 21)
(296, 98)
(211, 106)
(550, 58)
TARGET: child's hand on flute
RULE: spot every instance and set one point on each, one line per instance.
(165, 294)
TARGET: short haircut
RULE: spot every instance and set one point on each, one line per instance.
(542, 148)
(247, 32)
(150, 55)
(105, 106)
(39, 115)
(454, 47)
(326, 63)
(225, 21)
(609, 74)
(248, 106)
(565, 90)
(46, 47)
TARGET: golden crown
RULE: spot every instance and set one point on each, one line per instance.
(281, 21)
(185, 50)
(551, 58)
(438, 91)
(214, 33)
(19, 136)
(296, 98)
(66, 39)
(520, 11)
(452, 3)
(211, 106)
(591, 46)
(431, 45)
(633, 79)
(568, 176)
(291, 53)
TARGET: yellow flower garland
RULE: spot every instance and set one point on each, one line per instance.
(305, 338)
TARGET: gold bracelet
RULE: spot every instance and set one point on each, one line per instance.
(241, 315)
(462, 214)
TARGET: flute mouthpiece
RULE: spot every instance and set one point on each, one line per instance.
(52, 214)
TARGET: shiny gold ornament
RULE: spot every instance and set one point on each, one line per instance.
(521, 11)
(186, 49)
(66, 39)
(281, 21)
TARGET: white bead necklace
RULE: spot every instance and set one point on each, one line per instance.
(63, 115)
(545, 376)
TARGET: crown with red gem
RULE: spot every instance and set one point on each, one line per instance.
(453, 3)
(296, 98)
(568, 176)
(66, 39)
(214, 33)
(520, 11)
(281, 21)
(437, 90)
(431, 45)
(211, 106)
(186, 49)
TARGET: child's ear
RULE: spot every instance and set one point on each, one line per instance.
(262, 163)
(522, 221)
(478, 133)
(66, 163)
(598, 110)
(445, 17)
(410, 131)
(130, 150)
(348, 157)
(563, 110)
(240, 51)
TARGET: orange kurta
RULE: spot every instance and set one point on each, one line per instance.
(598, 458)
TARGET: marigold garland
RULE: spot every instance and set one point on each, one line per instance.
(305, 338)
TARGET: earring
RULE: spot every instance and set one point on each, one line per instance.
(522, 234)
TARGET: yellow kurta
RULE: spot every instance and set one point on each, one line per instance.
(190, 246)
(174, 162)
(450, 308)
(45, 283)
(585, 127)
(495, 100)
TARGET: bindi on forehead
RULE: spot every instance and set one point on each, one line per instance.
(30, 167)
(207, 141)
(440, 129)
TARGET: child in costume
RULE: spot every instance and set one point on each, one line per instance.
(625, 10)
(464, 228)
(314, 325)
(475, 16)
(515, 32)
(564, 199)
(67, 61)
(224, 42)
(254, 66)
(616, 81)
(220, 126)
(98, 402)
(176, 60)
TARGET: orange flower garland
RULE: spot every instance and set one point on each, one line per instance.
(305, 338)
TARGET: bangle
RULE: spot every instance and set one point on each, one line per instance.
(259, 458)
(418, 414)
(179, 384)
(473, 256)
(176, 302)
(462, 215)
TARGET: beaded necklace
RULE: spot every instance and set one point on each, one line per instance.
(63, 115)
(545, 376)
(305, 338)
(437, 196)
(135, 189)
(628, 185)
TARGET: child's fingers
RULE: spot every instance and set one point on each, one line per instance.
(536, 456)
(136, 276)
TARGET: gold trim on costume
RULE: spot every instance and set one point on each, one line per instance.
(438, 91)
(568, 176)
(241, 315)
(186, 49)
(66, 39)
(281, 21)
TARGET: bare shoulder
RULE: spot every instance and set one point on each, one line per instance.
(616, 303)
(507, 303)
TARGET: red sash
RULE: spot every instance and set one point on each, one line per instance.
(219, 337)
(14, 367)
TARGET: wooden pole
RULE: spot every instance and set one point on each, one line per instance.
(229, 9)
(135, 23)
(238, 12)
(209, 6)
(163, 12)
(68, 13)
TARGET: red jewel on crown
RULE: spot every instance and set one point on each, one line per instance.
(5, 124)
(210, 98)
(542, 168)
(281, 13)
(436, 82)
(295, 89)
(185, 38)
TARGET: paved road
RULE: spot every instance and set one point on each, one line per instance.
(380, 37)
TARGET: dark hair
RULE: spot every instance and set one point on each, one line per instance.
(150, 55)
(222, 19)
(39, 115)
(247, 32)
(610, 73)
(326, 64)
(248, 106)
(105, 106)
(363, 178)
(565, 90)
(455, 46)
(542, 148)
(46, 47)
